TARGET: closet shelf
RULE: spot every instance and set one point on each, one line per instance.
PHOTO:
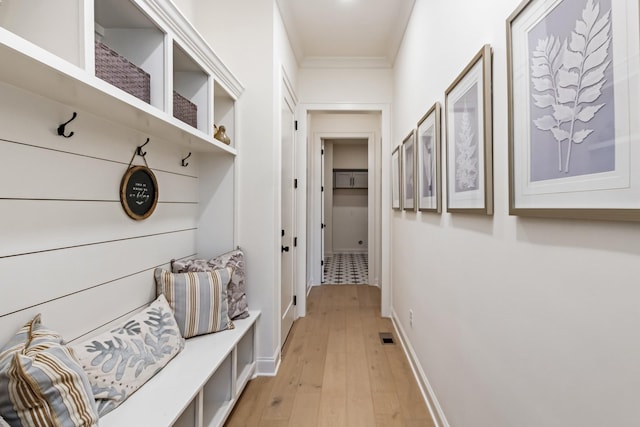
(34, 69)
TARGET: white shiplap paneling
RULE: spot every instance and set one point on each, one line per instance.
(36, 278)
(35, 225)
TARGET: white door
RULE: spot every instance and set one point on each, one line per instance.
(322, 219)
(287, 305)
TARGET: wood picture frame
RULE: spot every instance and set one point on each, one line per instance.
(396, 171)
(139, 192)
(428, 140)
(572, 109)
(469, 142)
(409, 172)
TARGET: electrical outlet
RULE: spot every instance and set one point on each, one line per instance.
(411, 318)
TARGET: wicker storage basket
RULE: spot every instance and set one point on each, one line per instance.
(185, 110)
(115, 69)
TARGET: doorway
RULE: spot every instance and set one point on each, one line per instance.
(335, 128)
(345, 211)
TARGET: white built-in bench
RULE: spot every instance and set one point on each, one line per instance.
(199, 387)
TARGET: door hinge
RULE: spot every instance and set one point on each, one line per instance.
(282, 233)
(321, 263)
(322, 188)
(295, 242)
(322, 225)
(322, 151)
(295, 183)
(295, 300)
(295, 125)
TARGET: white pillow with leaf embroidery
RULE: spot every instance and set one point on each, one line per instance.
(120, 361)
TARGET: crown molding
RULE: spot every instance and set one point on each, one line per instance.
(345, 62)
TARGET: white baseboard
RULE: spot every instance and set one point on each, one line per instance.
(268, 366)
(425, 387)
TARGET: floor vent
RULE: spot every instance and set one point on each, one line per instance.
(386, 338)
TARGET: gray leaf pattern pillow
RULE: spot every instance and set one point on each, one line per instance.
(120, 361)
(236, 290)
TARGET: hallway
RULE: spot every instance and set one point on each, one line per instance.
(335, 371)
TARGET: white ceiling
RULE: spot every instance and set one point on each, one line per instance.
(340, 31)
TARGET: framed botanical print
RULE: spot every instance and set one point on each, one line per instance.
(573, 109)
(409, 172)
(468, 117)
(428, 168)
(395, 178)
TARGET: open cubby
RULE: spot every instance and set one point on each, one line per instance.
(224, 110)
(126, 30)
(245, 359)
(36, 20)
(190, 415)
(148, 38)
(217, 394)
(191, 83)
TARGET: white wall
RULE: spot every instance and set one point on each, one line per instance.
(350, 156)
(250, 39)
(518, 321)
(345, 85)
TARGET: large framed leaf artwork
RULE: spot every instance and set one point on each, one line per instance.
(428, 168)
(573, 109)
(396, 169)
(469, 142)
(409, 172)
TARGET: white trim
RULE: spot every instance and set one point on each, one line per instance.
(268, 366)
(385, 190)
(345, 62)
(437, 414)
(191, 40)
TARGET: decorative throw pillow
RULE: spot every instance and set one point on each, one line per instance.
(120, 361)
(236, 291)
(198, 300)
(42, 383)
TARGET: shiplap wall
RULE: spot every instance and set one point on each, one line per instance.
(67, 248)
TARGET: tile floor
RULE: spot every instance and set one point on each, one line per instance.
(346, 269)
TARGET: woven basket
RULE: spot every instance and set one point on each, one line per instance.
(115, 69)
(185, 110)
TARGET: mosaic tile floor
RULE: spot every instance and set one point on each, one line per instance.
(346, 269)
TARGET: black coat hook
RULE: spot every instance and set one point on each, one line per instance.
(61, 128)
(140, 153)
(185, 164)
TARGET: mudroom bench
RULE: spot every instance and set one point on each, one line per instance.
(199, 387)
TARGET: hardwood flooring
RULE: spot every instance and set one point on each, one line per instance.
(335, 371)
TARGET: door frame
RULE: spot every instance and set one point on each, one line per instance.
(307, 160)
(372, 242)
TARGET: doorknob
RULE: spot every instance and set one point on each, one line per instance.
(285, 249)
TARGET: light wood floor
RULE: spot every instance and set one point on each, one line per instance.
(335, 372)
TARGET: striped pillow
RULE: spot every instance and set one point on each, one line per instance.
(42, 383)
(198, 300)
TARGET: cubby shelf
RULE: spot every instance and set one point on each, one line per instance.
(167, 47)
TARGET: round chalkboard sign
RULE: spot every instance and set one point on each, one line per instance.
(139, 192)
